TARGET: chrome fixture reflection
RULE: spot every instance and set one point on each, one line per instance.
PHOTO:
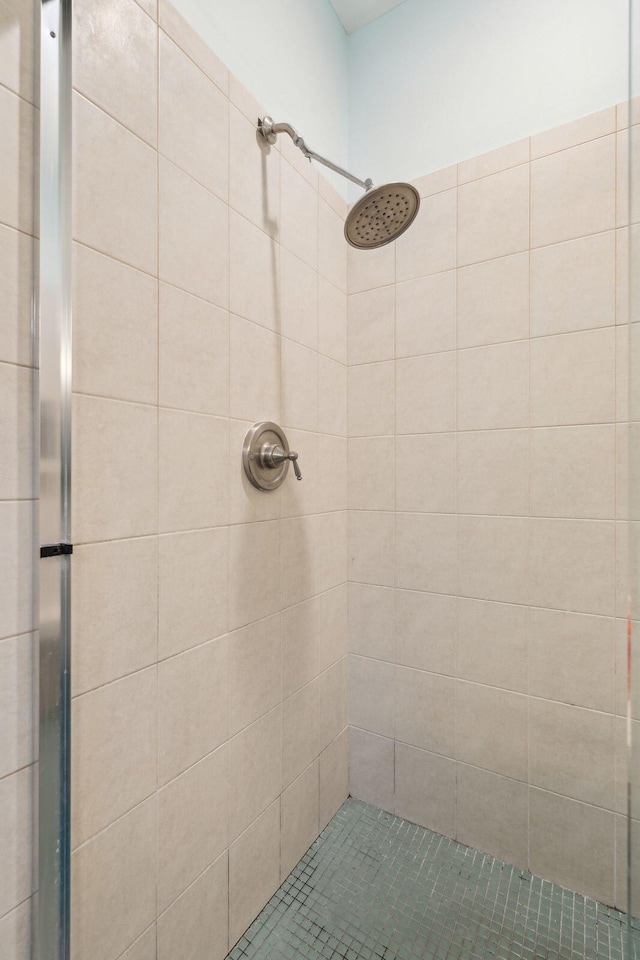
(266, 456)
(382, 215)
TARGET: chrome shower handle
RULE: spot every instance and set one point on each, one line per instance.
(272, 455)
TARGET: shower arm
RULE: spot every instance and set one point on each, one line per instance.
(270, 131)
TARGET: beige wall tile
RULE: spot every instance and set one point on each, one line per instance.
(494, 558)
(115, 188)
(371, 695)
(15, 931)
(16, 579)
(512, 155)
(334, 778)
(300, 629)
(313, 557)
(193, 45)
(17, 50)
(254, 572)
(114, 488)
(300, 731)
(247, 104)
(333, 702)
(332, 321)
(122, 77)
(425, 789)
(573, 285)
(573, 192)
(254, 870)
(571, 134)
(193, 120)
(426, 552)
(196, 925)
(437, 182)
(255, 372)
(371, 473)
(255, 770)
(298, 386)
(193, 594)
(332, 397)
(493, 472)
(572, 842)
(193, 706)
(107, 779)
(17, 881)
(425, 710)
(571, 752)
(371, 399)
(493, 301)
(113, 885)
(329, 193)
(370, 268)
(491, 729)
(298, 215)
(493, 216)
(17, 437)
(493, 386)
(425, 394)
(299, 300)
(17, 152)
(371, 325)
(371, 621)
(426, 315)
(115, 328)
(430, 245)
(193, 824)
(492, 643)
(425, 631)
(17, 670)
(254, 273)
(254, 174)
(572, 378)
(194, 479)
(17, 262)
(332, 246)
(255, 672)
(333, 639)
(330, 482)
(371, 765)
(572, 565)
(194, 236)
(492, 814)
(573, 472)
(194, 353)
(299, 812)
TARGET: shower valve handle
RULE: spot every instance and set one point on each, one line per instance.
(272, 455)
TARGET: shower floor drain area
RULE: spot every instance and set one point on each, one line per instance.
(375, 887)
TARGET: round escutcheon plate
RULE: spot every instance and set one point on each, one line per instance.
(260, 438)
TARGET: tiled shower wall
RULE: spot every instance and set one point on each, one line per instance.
(19, 119)
(209, 619)
(487, 408)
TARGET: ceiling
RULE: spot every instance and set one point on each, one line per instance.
(355, 13)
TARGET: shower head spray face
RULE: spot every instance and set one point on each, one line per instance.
(381, 215)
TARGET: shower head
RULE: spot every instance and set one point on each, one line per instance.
(381, 215)
(377, 218)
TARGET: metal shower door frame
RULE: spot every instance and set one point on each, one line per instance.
(54, 331)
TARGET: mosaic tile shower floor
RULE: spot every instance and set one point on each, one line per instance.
(375, 887)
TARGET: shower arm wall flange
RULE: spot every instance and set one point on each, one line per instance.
(270, 131)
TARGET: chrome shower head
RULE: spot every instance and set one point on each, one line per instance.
(381, 215)
(377, 218)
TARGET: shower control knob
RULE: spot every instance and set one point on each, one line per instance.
(273, 455)
(266, 456)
